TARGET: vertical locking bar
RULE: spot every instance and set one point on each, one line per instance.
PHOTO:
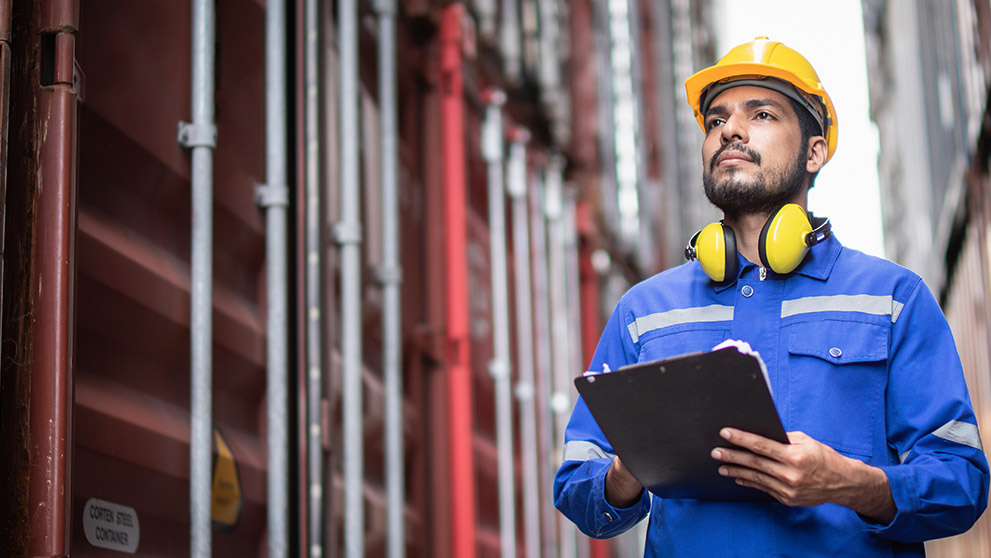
(390, 276)
(52, 295)
(200, 137)
(349, 237)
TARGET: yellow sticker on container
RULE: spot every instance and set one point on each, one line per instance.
(226, 495)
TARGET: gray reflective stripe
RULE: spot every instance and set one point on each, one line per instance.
(956, 431)
(896, 310)
(583, 451)
(714, 313)
(867, 304)
(961, 433)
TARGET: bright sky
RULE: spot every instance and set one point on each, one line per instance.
(831, 36)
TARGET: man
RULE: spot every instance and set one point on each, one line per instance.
(885, 451)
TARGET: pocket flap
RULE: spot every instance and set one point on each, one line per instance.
(840, 342)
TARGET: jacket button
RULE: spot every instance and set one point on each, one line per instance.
(607, 516)
(835, 352)
(747, 291)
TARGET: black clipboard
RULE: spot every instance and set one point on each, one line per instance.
(663, 419)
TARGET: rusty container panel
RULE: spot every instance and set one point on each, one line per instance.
(132, 380)
(968, 310)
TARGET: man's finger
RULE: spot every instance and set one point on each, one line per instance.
(753, 442)
(747, 460)
(762, 481)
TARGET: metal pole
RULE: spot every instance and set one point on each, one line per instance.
(390, 276)
(348, 233)
(314, 279)
(200, 135)
(51, 310)
(499, 367)
(549, 75)
(549, 454)
(274, 197)
(510, 41)
(516, 175)
(459, 381)
(5, 54)
(561, 358)
(573, 359)
(486, 12)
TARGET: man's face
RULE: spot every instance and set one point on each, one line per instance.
(752, 158)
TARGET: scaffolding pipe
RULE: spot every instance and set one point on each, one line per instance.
(348, 233)
(314, 279)
(516, 177)
(499, 366)
(390, 277)
(274, 197)
(200, 135)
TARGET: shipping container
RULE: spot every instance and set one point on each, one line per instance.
(496, 104)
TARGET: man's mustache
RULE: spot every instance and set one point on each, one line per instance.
(735, 147)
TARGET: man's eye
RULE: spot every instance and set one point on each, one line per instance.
(712, 123)
(764, 115)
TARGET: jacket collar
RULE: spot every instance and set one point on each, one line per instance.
(818, 263)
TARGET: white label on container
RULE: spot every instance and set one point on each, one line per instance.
(111, 526)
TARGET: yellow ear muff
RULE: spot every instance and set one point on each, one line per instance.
(783, 241)
(715, 248)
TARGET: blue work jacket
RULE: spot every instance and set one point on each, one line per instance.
(859, 357)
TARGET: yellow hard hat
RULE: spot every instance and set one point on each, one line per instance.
(754, 63)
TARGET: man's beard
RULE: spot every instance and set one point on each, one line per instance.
(762, 195)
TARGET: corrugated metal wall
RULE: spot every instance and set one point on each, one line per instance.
(132, 388)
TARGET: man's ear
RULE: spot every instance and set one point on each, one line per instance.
(818, 149)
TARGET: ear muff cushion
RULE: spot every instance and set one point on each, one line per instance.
(732, 265)
(782, 245)
(715, 249)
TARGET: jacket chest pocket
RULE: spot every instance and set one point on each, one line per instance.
(837, 372)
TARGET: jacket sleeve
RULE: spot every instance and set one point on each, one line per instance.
(940, 485)
(579, 485)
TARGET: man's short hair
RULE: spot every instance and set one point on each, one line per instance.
(809, 128)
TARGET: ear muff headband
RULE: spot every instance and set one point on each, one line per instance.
(715, 248)
(787, 236)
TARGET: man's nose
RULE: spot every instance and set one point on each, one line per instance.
(734, 130)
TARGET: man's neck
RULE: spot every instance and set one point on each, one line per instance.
(747, 229)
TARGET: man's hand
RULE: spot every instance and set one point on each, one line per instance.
(622, 488)
(805, 473)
